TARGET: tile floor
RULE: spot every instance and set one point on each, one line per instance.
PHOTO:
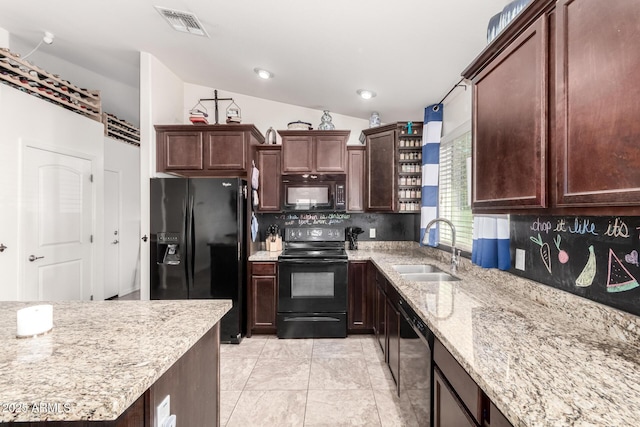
(266, 381)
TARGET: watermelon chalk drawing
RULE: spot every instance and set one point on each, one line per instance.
(619, 279)
(544, 251)
(589, 271)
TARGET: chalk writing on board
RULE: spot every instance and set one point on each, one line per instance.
(589, 271)
(561, 226)
(617, 229)
(312, 219)
(544, 251)
(583, 226)
(618, 277)
(541, 226)
(563, 256)
(632, 258)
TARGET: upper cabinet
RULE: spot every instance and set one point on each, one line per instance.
(268, 159)
(393, 168)
(205, 150)
(554, 127)
(355, 178)
(597, 146)
(510, 124)
(308, 151)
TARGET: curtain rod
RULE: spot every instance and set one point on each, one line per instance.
(452, 89)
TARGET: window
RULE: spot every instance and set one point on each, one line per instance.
(455, 186)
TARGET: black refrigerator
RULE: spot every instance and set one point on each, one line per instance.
(197, 243)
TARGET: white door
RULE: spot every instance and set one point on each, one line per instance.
(56, 220)
(111, 233)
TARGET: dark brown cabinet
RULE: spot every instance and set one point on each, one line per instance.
(268, 161)
(393, 168)
(355, 178)
(205, 150)
(380, 186)
(393, 341)
(181, 150)
(360, 299)
(597, 140)
(380, 307)
(510, 125)
(447, 409)
(307, 151)
(262, 298)
(457, 399)
(553, 127)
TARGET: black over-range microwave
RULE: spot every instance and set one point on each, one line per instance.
(314, 193)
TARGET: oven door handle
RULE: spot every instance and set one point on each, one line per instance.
(313, 261)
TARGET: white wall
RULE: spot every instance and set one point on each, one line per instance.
(457, 109)
(264, 113)
(125, 159)
(25, 117)
(161, 102)
(120, 99)
(4, 38)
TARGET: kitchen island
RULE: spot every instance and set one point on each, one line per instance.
(109, 361)
(544, 357)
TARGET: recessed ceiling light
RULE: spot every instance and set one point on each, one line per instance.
(366, 94)
(263, 74)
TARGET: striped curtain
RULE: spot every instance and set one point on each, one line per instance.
(491, 242)
(431, 133)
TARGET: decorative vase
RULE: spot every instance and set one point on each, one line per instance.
(374, 120)
(325, 121)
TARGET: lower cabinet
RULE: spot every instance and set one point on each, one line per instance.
(262, 298)
(393, 341)
(380, 309)
(457, 399)
(360, 295)
(447, 409)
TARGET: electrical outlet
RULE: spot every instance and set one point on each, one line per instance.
(372, 233)
(520, 253)
(163, 410)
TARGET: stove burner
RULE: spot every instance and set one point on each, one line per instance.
(320, 243)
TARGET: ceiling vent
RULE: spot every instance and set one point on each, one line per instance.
(184, 22)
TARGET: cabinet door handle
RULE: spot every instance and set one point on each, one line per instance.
(33, 257)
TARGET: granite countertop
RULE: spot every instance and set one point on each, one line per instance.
(544, 357)
(100, 357)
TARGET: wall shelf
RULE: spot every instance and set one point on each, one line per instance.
(120, 129)
(29, 78)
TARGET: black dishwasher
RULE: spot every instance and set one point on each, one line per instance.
(416, 363)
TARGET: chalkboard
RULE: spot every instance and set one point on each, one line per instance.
(389, 227)
(594, 257)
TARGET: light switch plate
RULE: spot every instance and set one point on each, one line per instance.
(163, 410)
(520, 259)
(372, 233)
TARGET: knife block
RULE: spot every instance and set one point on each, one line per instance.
(273, 246)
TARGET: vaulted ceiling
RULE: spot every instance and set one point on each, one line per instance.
(410, 52)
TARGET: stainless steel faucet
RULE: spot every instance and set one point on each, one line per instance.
(454, 257)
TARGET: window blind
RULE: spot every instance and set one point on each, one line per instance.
(454, 201)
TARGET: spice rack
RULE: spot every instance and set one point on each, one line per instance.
(409, 167)
(120, 129)
(29, 78)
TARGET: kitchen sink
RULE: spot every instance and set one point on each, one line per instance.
(416, 268)
(439, 276)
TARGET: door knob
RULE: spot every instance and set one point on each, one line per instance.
(2, 247)
(115, 242)
(33, 257)
(144, 238)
